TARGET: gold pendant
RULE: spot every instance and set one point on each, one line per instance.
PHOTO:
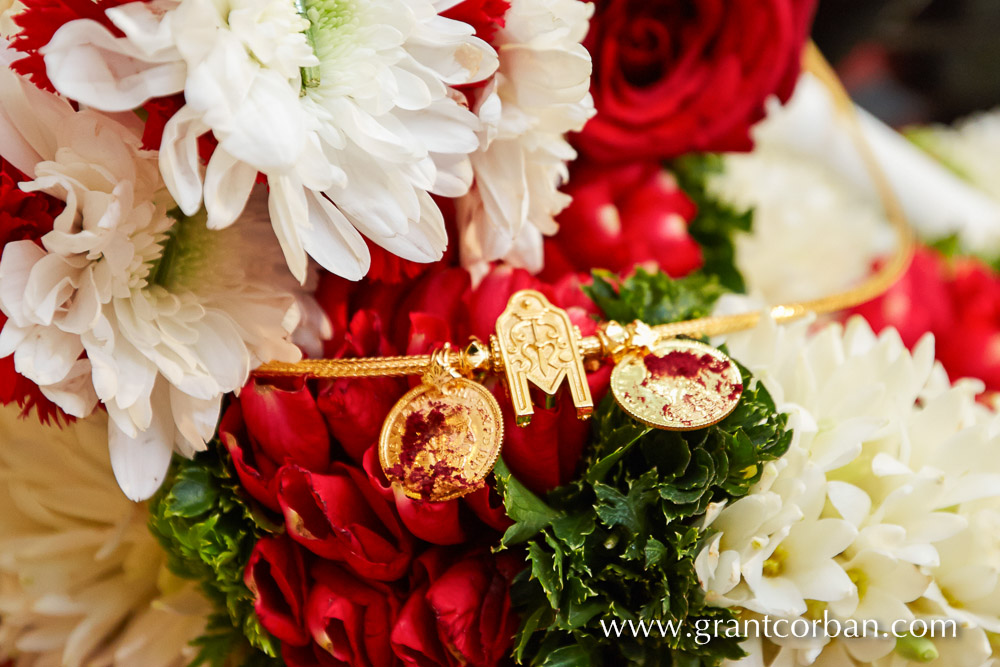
(441, 439)
(537, 343)
(681, 385)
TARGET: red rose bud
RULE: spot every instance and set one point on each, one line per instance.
(672, 77)
(469, 607)
(489, 299)
(268, 427)
(545, 453)
(624, 216)
(275, 575)
(356, 408)
(349, 619)
(342, 517)
(437, 523)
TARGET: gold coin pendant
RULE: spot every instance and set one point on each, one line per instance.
(441, 439)
(681, 385)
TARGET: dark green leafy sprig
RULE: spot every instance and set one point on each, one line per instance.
(717, 223)
(619, 543)
(208, 529)
(653, 297)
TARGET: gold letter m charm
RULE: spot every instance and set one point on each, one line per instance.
(537, 343)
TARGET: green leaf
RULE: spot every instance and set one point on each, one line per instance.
(544, 570)
(568, 656)
(528, 511)
(574, 529)
(192, 494)
(717, 223)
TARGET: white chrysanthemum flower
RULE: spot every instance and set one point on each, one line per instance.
(81, 577)
(155, 316)
(540, 92)
(803, 210)
(346, 107)
(969, 149)
(884, 509)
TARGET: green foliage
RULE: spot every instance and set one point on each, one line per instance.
(619, 543)
(717, 223)
(208, 530)
(653, 297)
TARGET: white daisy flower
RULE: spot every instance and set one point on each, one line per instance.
(886, 507)
(127, 303)
(346, 106)
(540, 92)
(80, 574)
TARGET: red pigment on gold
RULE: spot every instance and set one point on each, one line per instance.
(420, 429)
(682, 363)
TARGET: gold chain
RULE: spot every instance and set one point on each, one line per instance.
(593, 347)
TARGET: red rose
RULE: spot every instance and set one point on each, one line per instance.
(276, 576)
(267, 427)
(672, 76)
(623, 216)
(349, 621)
(341, 516)
(462, 616)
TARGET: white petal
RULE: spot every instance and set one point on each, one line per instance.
(140, 463)
(75, 394)
(18, 259)
(332, 240)
(287, 205)
(195, 420)
(87, 63)
(228, 183)
(180, 164)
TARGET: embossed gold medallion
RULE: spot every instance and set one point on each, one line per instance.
(680, 385)
(441, 439)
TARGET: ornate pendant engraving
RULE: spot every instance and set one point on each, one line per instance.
(681, 385)
(441, 439)
(537, 343)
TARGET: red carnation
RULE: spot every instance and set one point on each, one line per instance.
(40, 19)
(486, 16)
(672, 77)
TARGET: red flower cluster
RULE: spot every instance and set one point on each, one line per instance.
(365, 575)
(672, 76)
(623, 216)
(24, 216)
(957, 300)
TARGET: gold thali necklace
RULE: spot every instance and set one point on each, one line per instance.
(441, 439)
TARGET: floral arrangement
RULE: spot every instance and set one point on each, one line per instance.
(192, 191)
